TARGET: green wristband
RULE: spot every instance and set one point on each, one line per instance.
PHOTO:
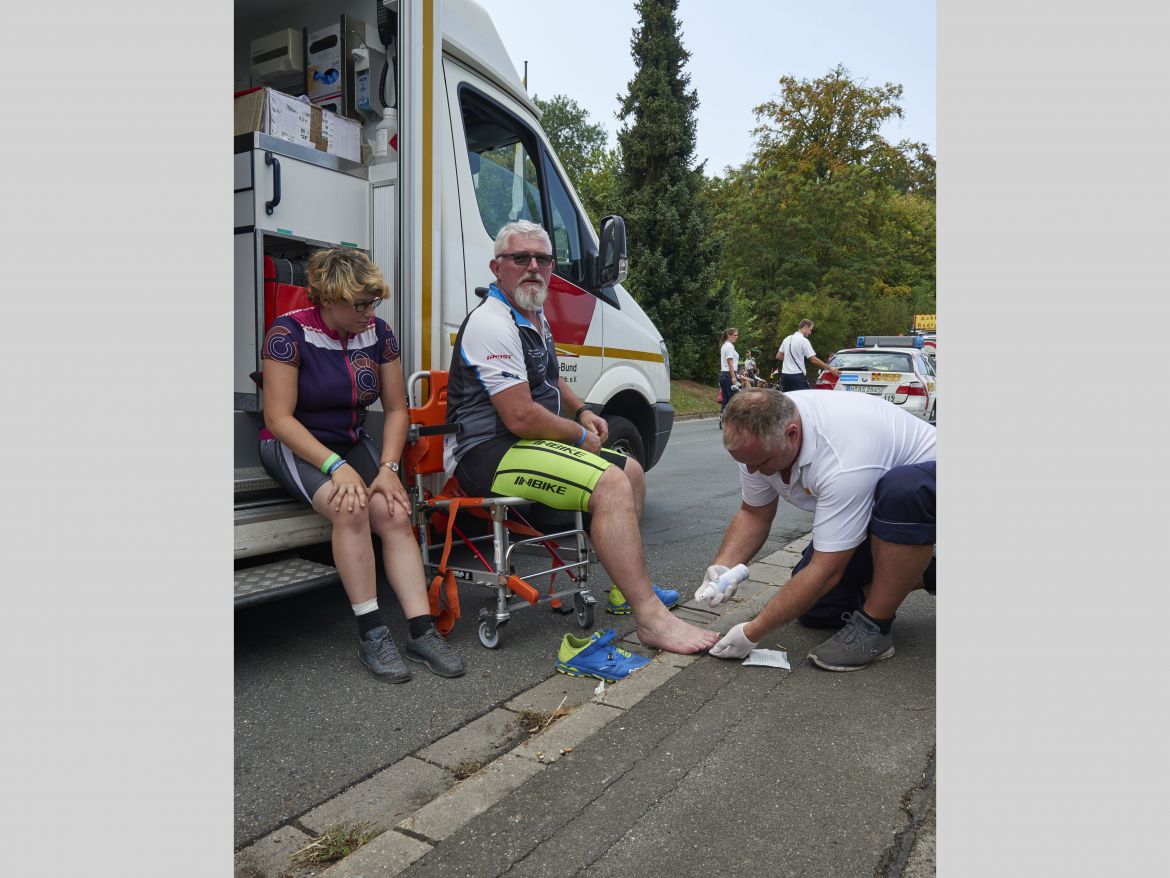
(329, 461)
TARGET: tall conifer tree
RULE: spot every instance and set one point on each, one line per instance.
(672, 253)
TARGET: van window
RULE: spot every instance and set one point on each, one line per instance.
(503, 172)
(566, 228)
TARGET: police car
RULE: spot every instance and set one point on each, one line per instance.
(894, 367)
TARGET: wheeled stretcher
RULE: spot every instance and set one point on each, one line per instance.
(439, 513)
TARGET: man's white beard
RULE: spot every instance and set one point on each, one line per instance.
(529, 299)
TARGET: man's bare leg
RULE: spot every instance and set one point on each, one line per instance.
(618, 543)
(897, 571)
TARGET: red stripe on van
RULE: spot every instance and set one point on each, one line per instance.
(569, 310)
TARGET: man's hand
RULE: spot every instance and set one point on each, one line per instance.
(592, 442)
(734, 644)
(709, 590)
(592, 421)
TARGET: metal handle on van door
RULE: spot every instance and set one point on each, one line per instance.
(270, 159)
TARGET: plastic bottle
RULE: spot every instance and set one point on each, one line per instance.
(383, 134)
(734, 576)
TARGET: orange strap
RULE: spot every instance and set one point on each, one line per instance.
(443, 592)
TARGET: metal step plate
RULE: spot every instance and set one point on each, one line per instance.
(280, 578)
(250, 479)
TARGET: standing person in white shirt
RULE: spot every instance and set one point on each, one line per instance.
(728, 369)
(866, 470)
(793, 352)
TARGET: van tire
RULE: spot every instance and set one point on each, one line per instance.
(624, 437)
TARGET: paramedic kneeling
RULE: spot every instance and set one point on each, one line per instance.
(865, 468)
(505, 389)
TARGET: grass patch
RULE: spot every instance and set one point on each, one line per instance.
(693, 398)
(335, 844)
(466, 769)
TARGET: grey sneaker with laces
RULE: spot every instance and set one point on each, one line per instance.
(434, 652)
(859, 644)
(378, 653)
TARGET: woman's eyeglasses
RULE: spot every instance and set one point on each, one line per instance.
(362, 307)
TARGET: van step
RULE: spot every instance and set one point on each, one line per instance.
(250, 479)
(280, 579)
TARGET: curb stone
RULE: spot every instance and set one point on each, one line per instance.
(397, 848)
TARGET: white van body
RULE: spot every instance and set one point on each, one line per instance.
(466, 127)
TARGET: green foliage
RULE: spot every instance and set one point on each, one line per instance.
(580, 144)
(827, 220)
(673, 255)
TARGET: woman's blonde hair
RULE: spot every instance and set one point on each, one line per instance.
(338, 274)
(727, 334)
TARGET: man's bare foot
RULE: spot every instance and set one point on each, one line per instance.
(664, 631)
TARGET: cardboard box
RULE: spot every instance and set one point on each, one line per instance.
(272, 112)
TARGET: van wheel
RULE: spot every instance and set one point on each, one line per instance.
(624, 437)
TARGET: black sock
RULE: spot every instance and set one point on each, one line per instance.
(419, 625)
(367, 622)
(883, 624)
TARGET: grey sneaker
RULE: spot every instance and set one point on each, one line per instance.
(434, 652)
(378, 653)
(859, 644)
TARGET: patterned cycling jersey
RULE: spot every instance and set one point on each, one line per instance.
(335, 381)
(497, 347)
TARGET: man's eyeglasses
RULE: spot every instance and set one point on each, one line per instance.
(362, 307)
(521, 260)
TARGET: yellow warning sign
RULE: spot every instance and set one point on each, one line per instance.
(924, 322)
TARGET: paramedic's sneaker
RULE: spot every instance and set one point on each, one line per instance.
(435, 652)
(619, 606)
(859, 644)
(378, 653)
(597, 656)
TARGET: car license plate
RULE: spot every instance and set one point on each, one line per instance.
(865, 388)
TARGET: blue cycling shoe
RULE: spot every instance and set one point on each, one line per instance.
(619, 606)
(598, 657)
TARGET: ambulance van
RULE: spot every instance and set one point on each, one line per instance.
(460, 154)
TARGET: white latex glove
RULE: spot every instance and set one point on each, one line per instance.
(709, 590)
(734, 644)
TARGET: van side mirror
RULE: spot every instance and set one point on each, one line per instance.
(614, 264)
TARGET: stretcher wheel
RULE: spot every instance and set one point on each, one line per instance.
(489, 633)
(584, 611)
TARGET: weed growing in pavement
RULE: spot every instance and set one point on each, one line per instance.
(464, 770)
(533, 721)
(336, 843)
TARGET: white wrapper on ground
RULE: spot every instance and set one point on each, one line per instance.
(767, 658)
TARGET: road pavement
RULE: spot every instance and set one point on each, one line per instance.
(693, 765)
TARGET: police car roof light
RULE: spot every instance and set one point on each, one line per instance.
(891, 341)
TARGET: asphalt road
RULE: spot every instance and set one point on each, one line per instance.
(310, 721)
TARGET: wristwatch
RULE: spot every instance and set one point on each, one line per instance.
(393, 464)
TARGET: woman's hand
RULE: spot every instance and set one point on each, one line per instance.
(388, 485)
(347, 488)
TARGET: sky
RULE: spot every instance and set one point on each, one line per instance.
(739, 50)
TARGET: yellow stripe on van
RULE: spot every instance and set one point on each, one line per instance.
(428, 97)
(584, 350)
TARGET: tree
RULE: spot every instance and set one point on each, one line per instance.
(661, 195)
(580, 144)
(827, 220)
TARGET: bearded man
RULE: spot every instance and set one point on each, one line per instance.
(525, 433)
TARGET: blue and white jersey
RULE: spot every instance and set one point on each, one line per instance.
(497, 347)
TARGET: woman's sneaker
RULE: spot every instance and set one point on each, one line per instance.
(619, 606)
(859, 644)
(436, 653)
(378, 653)
(597, 657)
